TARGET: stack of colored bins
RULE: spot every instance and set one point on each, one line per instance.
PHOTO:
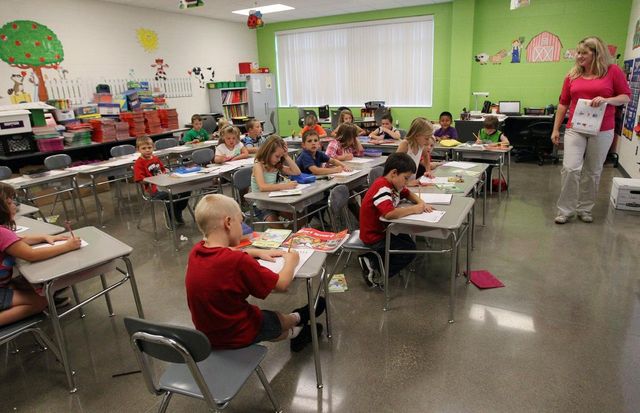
(159, 100)
(78, 134)
(152, 122)
(135, 121)
(104, 130)
(146, 99)
(168, 118)
(47, 138)
(122, 131)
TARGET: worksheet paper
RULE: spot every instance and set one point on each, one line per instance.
(436, 199)
(277, 265)
(83, 244)
(431, 217)
(437, 180)
(461, 165)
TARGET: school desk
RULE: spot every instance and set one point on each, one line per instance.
(64, 182)
(499, 157)
(36, 227)
(452, 227)
(27, 210)
(95, 259)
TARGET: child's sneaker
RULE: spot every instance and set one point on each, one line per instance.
(561, 219)
(367, 270)
(585, 217)
(304, 311)
(298, 343)
(61, 302)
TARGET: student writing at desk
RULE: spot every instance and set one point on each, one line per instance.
(346, 117)
(220, 278)
(381, 200)
(18, 300)
(346, 145)
(230, 148)
(490, 133)
(416, 146)
(385, 130)
(196, 133)
(313, 161)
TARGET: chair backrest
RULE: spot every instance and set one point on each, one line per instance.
(122, 150)
(337, 205)
(403, 133)
(308, 112)
(541, 129)
(335, 117)
(241, 181)
(166, 143)
(379, 113)
(202, 156)
(57, 161)
(375, 173)
(272, 120)
(209, 123)
(194, 341)
(5, 172)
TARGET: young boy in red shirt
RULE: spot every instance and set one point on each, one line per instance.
(150, 165)
(381, 200)
(220, 278)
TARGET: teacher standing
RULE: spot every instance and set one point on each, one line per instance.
(593, 78)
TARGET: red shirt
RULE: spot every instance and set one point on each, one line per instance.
(218, 282)
(144, 168)
(380, 199)
(614, 83)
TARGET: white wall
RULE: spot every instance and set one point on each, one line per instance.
(99, 40)
(629, 151)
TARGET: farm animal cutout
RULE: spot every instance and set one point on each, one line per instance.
(544, 47)
(27, 44)
(570, 54)
(497, 58)
(255, 19)
(161, 74)
(482, 58)
(199, 74)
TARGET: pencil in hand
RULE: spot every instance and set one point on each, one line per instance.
(67, 224)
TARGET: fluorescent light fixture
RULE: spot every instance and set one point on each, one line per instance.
(272, 8)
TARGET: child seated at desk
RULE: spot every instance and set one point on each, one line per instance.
(253, 138)
(313, 161)
(490, 133)
(219, 280)
(196, 133)
(230, 148)
(416, 145)
(346, 117)
(272, 163)
(150, 165)
(311, 123)
(222, 122)
(18, 300)
(346, 145)
(381, 200)
(446, 131)
(385, 131)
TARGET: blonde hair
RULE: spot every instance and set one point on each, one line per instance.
(229, 130)
(212, 210)
(265, 150)
(222, 122)
(601, 58)
(142, 140)
(310, 120)
(419, 126)
(344, 113)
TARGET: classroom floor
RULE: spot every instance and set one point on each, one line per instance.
(562, 336)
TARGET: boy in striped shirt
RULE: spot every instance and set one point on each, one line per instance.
(381, 200)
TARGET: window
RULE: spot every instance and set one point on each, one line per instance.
(349, 64)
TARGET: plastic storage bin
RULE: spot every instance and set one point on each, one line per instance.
(14, 121)
(51, 144)
(17, 144)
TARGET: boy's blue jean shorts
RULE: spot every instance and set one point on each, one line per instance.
(6, 298)
(270, 329)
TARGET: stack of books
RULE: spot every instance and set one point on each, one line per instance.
(135, 121)
(122, 130)
(45, 132)
(78, 134)
(104, 130)
(168, 118)
(152, 122)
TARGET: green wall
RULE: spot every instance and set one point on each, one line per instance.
(464, 28)
(539, 84)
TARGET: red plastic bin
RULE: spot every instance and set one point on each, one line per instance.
(51, 144)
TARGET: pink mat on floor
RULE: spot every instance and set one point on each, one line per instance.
(484, 279)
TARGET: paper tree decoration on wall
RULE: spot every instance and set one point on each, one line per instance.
(544, 47)
(148, 39)
(26, 44)
(255, 19)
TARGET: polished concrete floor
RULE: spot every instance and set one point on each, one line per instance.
(562, 336)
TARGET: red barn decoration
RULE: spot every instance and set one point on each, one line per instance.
(544, 47)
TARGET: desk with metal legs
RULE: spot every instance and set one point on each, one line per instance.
(95, 259)
(36, 227)
(499, 157)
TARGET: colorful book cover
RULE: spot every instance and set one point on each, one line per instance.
(271, 238)
(338, 284)
(310, 238)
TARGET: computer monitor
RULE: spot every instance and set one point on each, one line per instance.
(509, 107)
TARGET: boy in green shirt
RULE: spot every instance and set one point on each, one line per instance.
(197, 134)
(490, 133)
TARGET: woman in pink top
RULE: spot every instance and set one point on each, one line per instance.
(594, 78)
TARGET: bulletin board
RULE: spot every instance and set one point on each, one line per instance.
(632, 107)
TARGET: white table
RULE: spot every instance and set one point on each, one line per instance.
(36, 227)
(499, 157)
(95, 259)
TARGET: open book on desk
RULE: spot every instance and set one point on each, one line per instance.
(278, 264)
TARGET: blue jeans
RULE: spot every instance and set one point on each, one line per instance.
(396, 261)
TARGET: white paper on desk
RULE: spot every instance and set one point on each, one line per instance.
(14, 181)
(241, 162)
(187, 174)
(285, 192)
(55, 172)
(87, 167)
(360, 160)
(432, 217)
(277, 265)
(587, 119)
(344, 173)
(83, 244)
(20, 228)
(461, 165)
(437, 180)
(437, 199)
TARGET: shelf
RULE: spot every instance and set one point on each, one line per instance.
(230, 88)
(231, 104)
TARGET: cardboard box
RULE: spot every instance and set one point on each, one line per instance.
(625, 194)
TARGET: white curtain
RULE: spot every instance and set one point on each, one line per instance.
(389, 60)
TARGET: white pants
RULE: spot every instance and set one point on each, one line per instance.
(583, 158)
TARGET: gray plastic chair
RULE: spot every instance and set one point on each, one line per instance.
(62, 161)
(193, 370)
(122, 150)
(5, 172)
(202, 156)
(166, 143)
(403, 133)
(59, 161)
(375, 173)
(241, 180)
(12, 331)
